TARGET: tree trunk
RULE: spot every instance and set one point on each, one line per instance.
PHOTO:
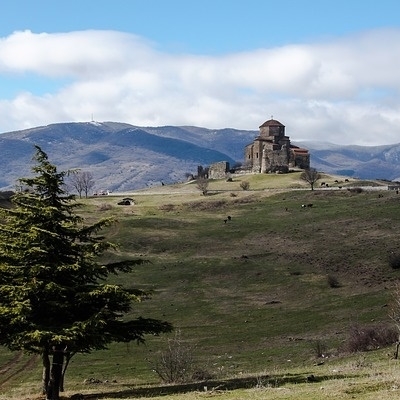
(68, 357)
(396, 354)
(53, 388)
(46, 370)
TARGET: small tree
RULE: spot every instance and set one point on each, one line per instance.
(82, 182)
(310, 176)
(202, 185)
(175, 364)
(54, 297)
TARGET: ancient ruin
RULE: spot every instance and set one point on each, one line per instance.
(218, 170)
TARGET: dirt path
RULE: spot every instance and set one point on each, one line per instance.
(16, 365)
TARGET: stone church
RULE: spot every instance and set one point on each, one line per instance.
(271, 151)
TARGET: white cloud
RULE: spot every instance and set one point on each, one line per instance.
(343, 91)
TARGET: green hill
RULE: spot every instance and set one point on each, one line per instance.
(264, 290)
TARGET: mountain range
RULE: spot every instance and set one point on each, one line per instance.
(123, 157)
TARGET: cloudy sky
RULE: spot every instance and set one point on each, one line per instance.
(327, 69)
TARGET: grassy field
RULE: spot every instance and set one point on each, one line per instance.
(251, 295)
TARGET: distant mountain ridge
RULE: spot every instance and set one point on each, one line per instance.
(125, 157)
(364, 162)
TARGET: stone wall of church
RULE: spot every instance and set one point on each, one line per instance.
(275, 161)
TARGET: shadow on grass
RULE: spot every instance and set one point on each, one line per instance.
(228, 384)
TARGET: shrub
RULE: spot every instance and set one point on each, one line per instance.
(320, 349)
(201, 374)
(394, 260)
(333, 282)
(355, 190)
(245, 185)
(175, 364)
(104, 207)
(167, 207)
(370, 337)
(206, 205)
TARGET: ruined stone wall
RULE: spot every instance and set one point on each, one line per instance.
(218, 170)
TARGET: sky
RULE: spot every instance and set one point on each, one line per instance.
(329, 70)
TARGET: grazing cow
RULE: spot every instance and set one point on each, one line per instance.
(309, 205)
(346, 180)
(322, 183)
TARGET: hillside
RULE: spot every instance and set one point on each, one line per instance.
(252, 294)
(124, 157)
(121, 157)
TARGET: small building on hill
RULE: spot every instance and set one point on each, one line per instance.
(271, 151)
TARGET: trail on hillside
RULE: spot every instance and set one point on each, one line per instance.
(15, 366)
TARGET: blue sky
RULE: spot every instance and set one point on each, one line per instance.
(327, 69)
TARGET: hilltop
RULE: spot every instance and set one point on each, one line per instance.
(124, 157)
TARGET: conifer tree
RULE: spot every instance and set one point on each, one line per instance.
(54, 297)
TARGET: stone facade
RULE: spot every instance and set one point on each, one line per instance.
(272, 151)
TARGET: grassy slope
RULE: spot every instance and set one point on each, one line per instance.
(250, 294)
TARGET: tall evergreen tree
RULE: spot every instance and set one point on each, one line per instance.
(54, 297)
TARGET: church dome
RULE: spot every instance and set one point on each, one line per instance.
(271, 122)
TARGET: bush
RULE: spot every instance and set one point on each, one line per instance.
(355, 190)
(245, 185)
(394, 260)
(371, 337)
(333, 282)
(320, 349)
(167, 207)
(206, 205)
(201, 374)
(104, 207)
(175, 364)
